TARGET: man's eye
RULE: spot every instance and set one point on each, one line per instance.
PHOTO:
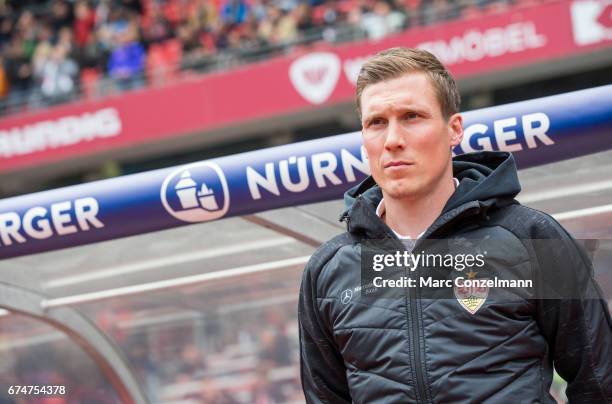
(377, 121)
(411, 115)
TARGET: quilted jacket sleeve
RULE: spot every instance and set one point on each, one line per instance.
(321, 365)
(577, 323)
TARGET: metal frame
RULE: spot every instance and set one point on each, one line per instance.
(80, 330)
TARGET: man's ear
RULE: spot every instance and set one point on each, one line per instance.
(455, 129)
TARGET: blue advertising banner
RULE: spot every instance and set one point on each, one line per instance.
(538, 131)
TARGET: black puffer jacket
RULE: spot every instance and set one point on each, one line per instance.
(421, 349)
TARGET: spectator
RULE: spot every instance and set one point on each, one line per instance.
(102, 12)
(4, 82)
(126, 63)
(26, 28)
(274, 349)
(94, 54)
(192, 364)
(437, 10)
(134, 6)
(189, 40)
(158, 28)
(381, 20)
(84, 23)
(65, 38)
(250, 38)
(43, 47)
(6, 30)
(61, 15)
(118, 23)
(19, 72)
(58, 75)
(221, 33)
(328, 13)
(206, 12)
(259, 9)
(234, 12)
(303, 17)
(279, 27)
(286, 30)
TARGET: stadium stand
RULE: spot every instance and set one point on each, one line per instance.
(93, 48)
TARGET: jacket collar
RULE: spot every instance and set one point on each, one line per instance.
(487, 179)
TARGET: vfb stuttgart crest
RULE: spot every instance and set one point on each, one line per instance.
(471, 297)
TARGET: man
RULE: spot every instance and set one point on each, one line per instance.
(478, 347)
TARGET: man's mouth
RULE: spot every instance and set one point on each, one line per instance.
(398, 163)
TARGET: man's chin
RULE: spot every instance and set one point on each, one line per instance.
(403, 191)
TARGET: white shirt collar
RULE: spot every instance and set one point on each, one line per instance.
(380, 211)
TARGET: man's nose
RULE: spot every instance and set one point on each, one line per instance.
(395, 138)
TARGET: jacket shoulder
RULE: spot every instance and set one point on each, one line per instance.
(326, 252)
(529, 223)
(548, 240)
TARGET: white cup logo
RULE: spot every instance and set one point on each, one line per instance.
(196, 199)
(315, 76)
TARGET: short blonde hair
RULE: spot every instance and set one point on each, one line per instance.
(395, 62)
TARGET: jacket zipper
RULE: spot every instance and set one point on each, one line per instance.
(345, 217)
(415, 337)
(414, 322)
(415, 329)
(418, 366)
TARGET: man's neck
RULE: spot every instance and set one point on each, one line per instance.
(412, 216)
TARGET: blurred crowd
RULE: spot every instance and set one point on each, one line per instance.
(248, 357)
(52, 50)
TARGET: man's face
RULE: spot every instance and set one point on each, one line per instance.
(407, 140)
